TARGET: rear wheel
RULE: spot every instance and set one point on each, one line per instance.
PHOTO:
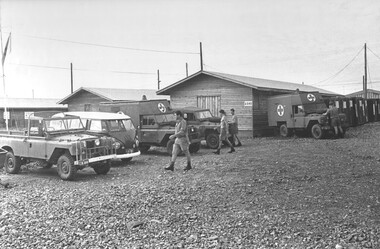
(285, 131)
(193, 148)
(65, 167)
(212, 140)
(12, 163)
(317, 132)
(102, 169)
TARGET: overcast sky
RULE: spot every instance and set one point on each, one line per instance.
(122, 43)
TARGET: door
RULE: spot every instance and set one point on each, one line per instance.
(210, 102)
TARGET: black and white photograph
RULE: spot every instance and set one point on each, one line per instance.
(195, 124)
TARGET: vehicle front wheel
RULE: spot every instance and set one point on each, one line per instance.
(126, 160)
(144, 148)
(102, 169)
(317, 132)
(212, 140)
(65, 167)
(193, 148)
(12, 163)
(285, 131)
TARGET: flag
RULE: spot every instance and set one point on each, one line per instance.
(5, 49)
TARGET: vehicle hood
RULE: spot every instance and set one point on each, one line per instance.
(74, 137)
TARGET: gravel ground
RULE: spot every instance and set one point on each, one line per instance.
(272, 193)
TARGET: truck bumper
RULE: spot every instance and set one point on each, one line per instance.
(129, 155)
(104, 158)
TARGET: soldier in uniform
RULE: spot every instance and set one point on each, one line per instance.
(234, 128)
(333, 112)
(223, 136)
(181, 142)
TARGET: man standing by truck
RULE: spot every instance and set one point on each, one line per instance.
(181, 142)
(234, 128)
(334, 117)
(223, 136)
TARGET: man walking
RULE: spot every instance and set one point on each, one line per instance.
(335, 121)
(223, 136)
(234, 128)
(181, 142)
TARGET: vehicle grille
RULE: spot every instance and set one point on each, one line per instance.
(90, 144)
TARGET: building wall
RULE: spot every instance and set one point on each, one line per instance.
(18, 119)
(85, 101)
(231, 96)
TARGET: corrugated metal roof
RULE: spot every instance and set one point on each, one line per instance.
(31, 103)
(361, 92)
(256, 83)
(114, 94)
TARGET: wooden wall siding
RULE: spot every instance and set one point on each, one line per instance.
(78, 102)
(231, 96)
(209, 102)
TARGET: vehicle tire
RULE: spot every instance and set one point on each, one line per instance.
(285, 131)
(12, 163)
(317, 132)
(65, 167)
(169, 148)
(193, 148)
(126, 160)
(102, 169)
(144, 148)
(212, 140)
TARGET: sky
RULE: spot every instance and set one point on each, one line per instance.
(123, 43)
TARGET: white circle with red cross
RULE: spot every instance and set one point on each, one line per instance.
(311, 97)
(280, 110)
(161, 107)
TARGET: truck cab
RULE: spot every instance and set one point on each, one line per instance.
(301, 112)
(156, 122)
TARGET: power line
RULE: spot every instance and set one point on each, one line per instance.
(79, 69)
(373, 53)
(110, 46)
(336, 74)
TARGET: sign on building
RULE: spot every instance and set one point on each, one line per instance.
(248, 103)
(6, 115)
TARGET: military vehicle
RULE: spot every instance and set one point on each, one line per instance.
(116, 125)
(207, 124)
(156, 122)
(57, 140)
(301, 112)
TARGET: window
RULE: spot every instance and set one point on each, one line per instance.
(87, 107)
(209, 102)
(148, 120)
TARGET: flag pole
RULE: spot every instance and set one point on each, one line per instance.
(5, 115)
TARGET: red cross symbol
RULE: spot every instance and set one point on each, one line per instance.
(280, 110)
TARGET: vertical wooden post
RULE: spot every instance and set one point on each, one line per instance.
(187, 71)
(200, 45)
(72, 78)
(158, 79)
(365, 71)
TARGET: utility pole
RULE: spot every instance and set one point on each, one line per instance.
(158, 79)
(365, 71)
(200, 45)
(187, 71)
(72, 79)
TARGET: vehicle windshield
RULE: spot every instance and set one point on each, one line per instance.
(162, 118)
(315, 108)
(71, 124)
(203, 114)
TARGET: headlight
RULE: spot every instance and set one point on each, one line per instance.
(97, 142)
(137, 142)
(116, 145)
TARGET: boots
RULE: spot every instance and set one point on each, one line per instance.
(170, 167)
(217, 152)
(188, 167)
(232, 150)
